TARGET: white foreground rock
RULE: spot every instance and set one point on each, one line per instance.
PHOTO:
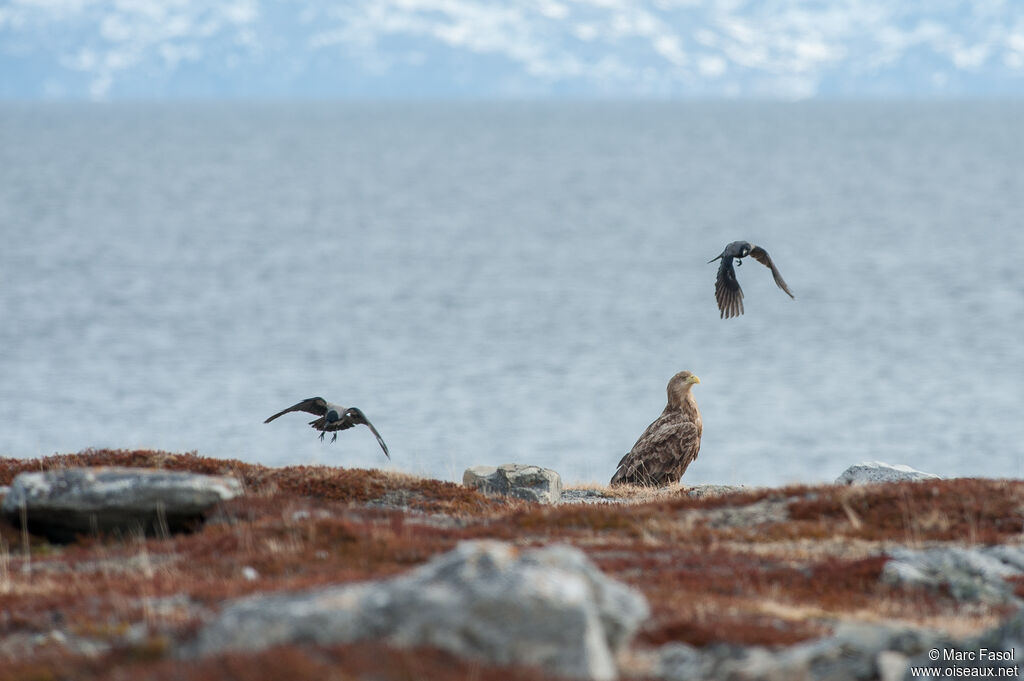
(870, 472)
(549, 607)
(63, 503)
(522, 481)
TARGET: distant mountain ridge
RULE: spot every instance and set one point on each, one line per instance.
(786, 49)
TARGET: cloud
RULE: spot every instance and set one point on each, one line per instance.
(711, 66)
(621, 47)
(669, 47)
(108, 39)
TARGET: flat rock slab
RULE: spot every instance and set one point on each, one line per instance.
(872, 472)
(709, 491)
(549, 608)
(587, 496)
(522, 481)
(61, 504)
(599, 496)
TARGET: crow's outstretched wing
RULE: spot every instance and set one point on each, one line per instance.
(761, 255)
(312, 405)
(727, 290)
(380, 440)
(352, 417)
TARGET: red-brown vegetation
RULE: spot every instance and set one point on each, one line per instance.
(768, 567)
(972, 510)
(294, 663)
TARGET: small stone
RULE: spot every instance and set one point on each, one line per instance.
(872, 472)
(521, 481)
(63, 503)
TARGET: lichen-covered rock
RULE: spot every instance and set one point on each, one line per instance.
(549, 607)
(63, 503)
(970, 573)
(994, 654)
(522, 481)
(871, 472)
(854, 652)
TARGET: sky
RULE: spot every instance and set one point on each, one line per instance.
(777, 49)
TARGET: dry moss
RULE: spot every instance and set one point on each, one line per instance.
(975, 511)
(741, 629)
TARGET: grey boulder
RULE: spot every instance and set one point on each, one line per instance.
(970, 573)
(548, 607)
(871, 472)
(522, 481)
(995, 653)
(63, 503)
(854, 652)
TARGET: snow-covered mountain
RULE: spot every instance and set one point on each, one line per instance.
(485, 48)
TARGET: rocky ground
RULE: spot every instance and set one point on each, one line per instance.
(333, 573)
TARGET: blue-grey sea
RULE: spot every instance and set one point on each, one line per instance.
(516, 282)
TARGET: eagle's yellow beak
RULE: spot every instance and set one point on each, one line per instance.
(693, 379)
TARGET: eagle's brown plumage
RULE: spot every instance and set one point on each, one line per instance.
(670, 444)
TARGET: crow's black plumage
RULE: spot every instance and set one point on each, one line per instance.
(332, 418)
(728, 293)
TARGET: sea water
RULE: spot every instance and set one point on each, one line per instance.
(497, 282)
